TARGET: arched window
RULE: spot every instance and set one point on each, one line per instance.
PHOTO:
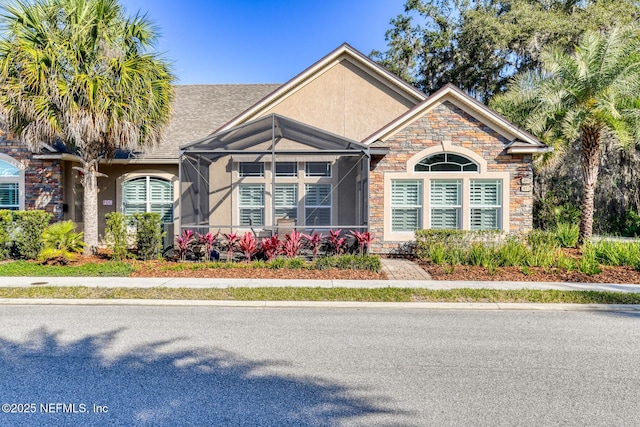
(148, 194)
(446, 162)
(11, 178)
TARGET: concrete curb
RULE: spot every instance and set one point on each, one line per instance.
(325, 304)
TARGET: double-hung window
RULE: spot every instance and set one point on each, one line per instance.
(317, 204)
(9, 186)
(285, 201)
(446, 203)
(486, 204)
(251, 204)
(148, 194)
(406, 205)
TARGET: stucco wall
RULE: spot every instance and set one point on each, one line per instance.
(345, 101)
(448, 126)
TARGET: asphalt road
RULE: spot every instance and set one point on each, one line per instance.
(177, 366)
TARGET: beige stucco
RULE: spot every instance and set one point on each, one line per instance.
(343, 100)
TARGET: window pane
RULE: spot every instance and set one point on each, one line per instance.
(406, 219)
(318, 169)
(317, 216)
(164, 209)
(445, 218)
(251, 217)
(446, 162)
(248, 169)
(286, 169)
(446, 192)
(9, 193)
(485, 219)
(7, 169)
(485, 193)
(148, 194)
(160, 190)
(251, 195)
(135, 190)
(406, 193)
(285, 195)
(317, 195)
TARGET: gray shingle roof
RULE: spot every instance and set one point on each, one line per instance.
(198, 110)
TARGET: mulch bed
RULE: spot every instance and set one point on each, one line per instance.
(625, 275)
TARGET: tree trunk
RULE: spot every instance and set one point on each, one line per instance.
(590, 165)
(90, 207)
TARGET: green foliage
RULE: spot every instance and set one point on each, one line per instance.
(567, 234)
(541, 239)
(512, 252)
(6, 223)
(61, 242)
(479, 45)
(631, 224)
(599, 82)
(438, 239)
(117, 235)
(617, 253)
(349, 262)
(588, 263)
(26, 268)
(27, 233)
(149, 235)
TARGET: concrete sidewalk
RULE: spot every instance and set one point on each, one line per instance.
(160, 282)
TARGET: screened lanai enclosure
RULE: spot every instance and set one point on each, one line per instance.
(272, 175)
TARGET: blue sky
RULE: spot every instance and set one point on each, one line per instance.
(261, 41)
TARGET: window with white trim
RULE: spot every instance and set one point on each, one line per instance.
(251, 205)
(287, 169)
(10, 178)
(317, 169)
(486, 204)
(446, 203)
(251, 169)
(148, 194)
(285, 201)
(317, 204)
(446, 162)
(406, 205)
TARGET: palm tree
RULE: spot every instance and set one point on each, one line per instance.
(580, 97)
(80, 72)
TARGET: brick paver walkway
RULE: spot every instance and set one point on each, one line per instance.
(403, 269)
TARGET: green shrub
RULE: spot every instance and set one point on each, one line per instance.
(349, 262)
(479, 254)
(540, 239)
(6, 223)
(295, 263)
(61, 242)
(567, 234)
(631, 224)
(437, 253)
(588, 263)
(276, 263)
(117, 235)
(427, 238)
(512, 252)
(617, 253)
(27, 232)
(148, 235)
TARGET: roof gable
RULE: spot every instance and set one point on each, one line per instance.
(345, 55)
(521, 140)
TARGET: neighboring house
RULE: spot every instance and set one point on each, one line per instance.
(345, 144)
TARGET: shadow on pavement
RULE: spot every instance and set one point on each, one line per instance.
(153, 385)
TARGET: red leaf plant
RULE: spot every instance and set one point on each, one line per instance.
(314, 242)
(364, 239)
(271, 246)
(292, 244)
(207, 240)
(232, 239)
(337, 243)
(183, 242)
(248, 245)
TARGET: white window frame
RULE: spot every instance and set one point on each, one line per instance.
(410, 174)
(16, 179)
(495, 207)
(245, 174)
(396, 208)
(314, 207)
(148, 203)
(242, 206)
(288, 207)
(457, 206)
(328, 174)
(287, 175)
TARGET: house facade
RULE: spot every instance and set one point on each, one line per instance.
(344, 144)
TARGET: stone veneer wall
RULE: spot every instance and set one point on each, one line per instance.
(449, 123)
(43, 178)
